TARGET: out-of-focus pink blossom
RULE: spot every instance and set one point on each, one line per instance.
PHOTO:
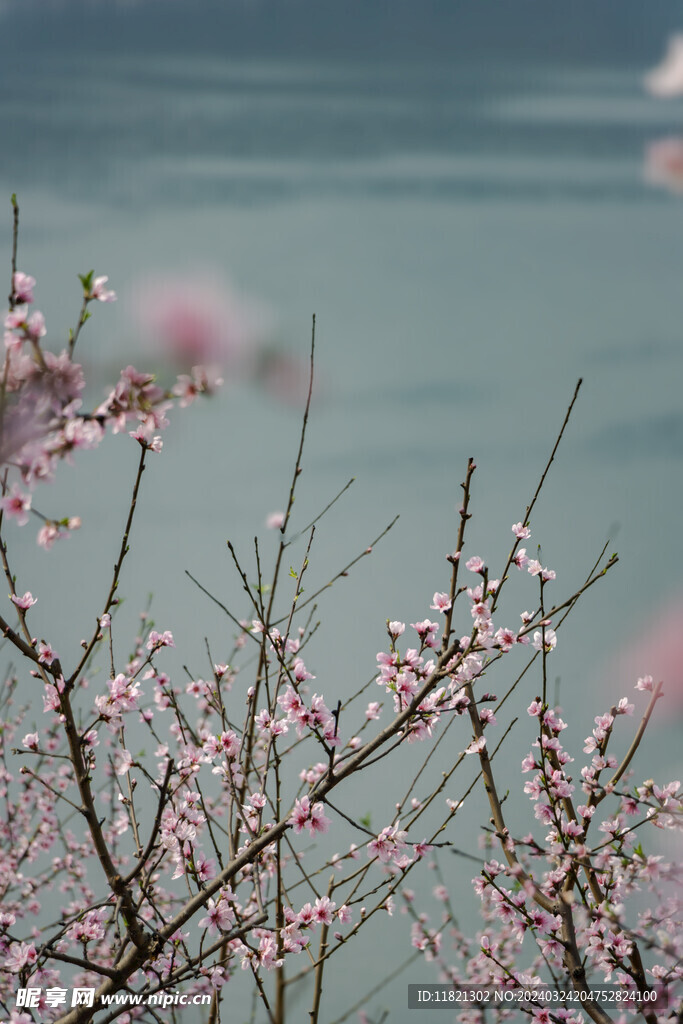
(275, 520)
(35, 326)
(203, 380)
(47, 535)
(664, 164)
(666, 80)
(123, 761)
(16, 504)
(656, 653)
(198, 319)
(23, 285)
(645, 684)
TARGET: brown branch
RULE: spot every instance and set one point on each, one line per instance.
(544, 474)
(146, 854)
(455, 557)
(320, 967)
(634, 745)
(117, 569)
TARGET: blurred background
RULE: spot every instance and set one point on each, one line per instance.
(480, 203)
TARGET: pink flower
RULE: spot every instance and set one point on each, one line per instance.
(481, 613)
(311, 818)
(15, 318)
(46, 655)
(506, 639)
(388, 845)
(440, 602)
(20, 955)
(220, 916)
(99, 292)
(30, 741)
(268, 953)
(50, 699)
(275, 520)
(23, 285)
(122, 762)
(47, 535)
(475, 564)
(203, 380)
(323, 911)
(35, 326)
(144, 433)
(17, 504)
(305, 916)
(123, 696)
(89, 928)
(549, 643)
(534, 568)
(156, 640)
(520, 559)
(318, 822)
(520, 531)
(666, 80)
(426, 631)
(624, 707)
(25, 602)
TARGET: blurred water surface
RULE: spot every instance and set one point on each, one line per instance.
(472, 236)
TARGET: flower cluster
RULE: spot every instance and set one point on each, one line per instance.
(42, 419)
(158, 831)
(562, 899)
